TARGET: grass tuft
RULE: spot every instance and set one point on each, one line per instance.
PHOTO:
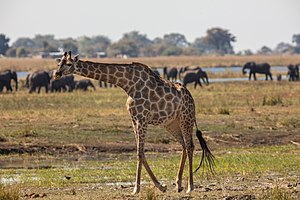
(277, 193)
(272, 101)
(223, 111)
(9, 192)
(150, 194)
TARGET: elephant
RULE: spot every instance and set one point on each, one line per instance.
(182, 70)
(194, 76)
(63, 84)
(84, 84)
(293, 72)
(38, 79)
(202, 75)
(103, 84)
(170, 73)
(262, 68)
(156, 72)
(5, 80)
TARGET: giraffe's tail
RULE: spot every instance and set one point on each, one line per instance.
(207, 157)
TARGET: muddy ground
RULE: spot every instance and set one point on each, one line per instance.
(216, 141)
(239, 187)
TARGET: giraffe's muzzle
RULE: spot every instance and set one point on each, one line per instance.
(57, 75)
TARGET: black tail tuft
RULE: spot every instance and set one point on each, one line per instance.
(207, 157)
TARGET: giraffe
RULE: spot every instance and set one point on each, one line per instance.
(151, 101)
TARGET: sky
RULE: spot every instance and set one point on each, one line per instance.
(255, 23)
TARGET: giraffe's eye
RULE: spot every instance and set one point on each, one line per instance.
(69, 64)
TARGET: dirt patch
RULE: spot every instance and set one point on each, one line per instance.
(215, 141)
(239, 187)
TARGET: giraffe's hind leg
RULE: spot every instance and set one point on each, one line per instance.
(174, 130)
(187, 131)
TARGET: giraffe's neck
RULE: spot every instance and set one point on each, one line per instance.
(130, 77)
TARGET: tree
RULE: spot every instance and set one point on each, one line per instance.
(21, 52)
(123, 48)
(3, 44)
(45, 43)
(132, 44)
(265, 51)
(296, 39)
(284, 48)
(220, 40)
(24, 42)
(89, 46)
(11, 52)
(175, 39)
(70, 44)
(202, 47)
(172, 51)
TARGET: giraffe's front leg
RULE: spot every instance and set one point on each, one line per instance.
(140, 133)
(139, 150)
(137, 186)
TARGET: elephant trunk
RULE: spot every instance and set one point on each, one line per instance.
(16, 85)
(15, 78)
(244, 70)
(207, 83)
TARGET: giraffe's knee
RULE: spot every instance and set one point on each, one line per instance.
(139, 155)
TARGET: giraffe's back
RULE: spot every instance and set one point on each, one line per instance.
(162, 104)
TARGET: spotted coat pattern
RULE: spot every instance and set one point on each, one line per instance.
(151, 100)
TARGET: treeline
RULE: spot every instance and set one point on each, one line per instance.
(217, 41)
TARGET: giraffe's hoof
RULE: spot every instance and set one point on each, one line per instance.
(190, 189)
(136, 190)
(162, 188)
(179, 189)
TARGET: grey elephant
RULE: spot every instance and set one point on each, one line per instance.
(156, 72)
(84, 84)
(103, 84)
(262, 68)
(38, 79)
(5, 80)
(202, 74)
(194, 76)
(170, 73)
(65, 83)
(293, 72)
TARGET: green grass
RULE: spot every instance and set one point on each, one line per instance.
(121, 168)
(91, 117)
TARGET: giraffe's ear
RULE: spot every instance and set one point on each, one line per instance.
(76, 58)
(58, 60)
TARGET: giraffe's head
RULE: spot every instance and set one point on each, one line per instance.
(66, 65)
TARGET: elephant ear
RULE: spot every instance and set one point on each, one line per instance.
(58, 60)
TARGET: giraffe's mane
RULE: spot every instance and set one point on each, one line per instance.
(127, 65)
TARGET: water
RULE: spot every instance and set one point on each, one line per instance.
(22, 75)
(215, 70)
(282, 69)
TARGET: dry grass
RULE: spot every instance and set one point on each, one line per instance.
(28, 64)
(9, 192)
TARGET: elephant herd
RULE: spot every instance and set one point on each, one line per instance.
(36, 80)
(186, 75)
(265, 68)
(39, 79)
